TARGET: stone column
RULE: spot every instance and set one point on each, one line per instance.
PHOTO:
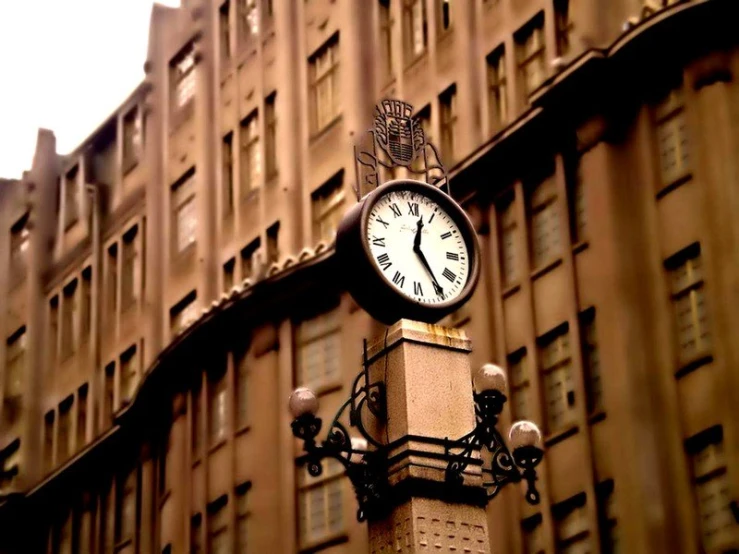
(427, 374)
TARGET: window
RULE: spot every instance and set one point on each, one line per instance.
(415, 31)
(49, 441)
(571, 526)
(217, 529)
(69, 319)
(609, 536)
(328, 207)
(129, 374)
(448, 113)
(19, 241)
(247, 258)
(318, 350)
(125, 521)
(196, 430)
(591, 362)
(182, 69)
(53, 339)
(320, 504)
(555, 362)
(518, 377)
(386, 40)
(545, 231)
(242, 516)
(497, 89)
(183, 202)
(248, 20)
(251, 155)
(531, 54)
(227, 173)
(62, 543)
(273, 252)
(228, 275)
(689, 304)
(576, 198)
(131, 138)
(112, 285)
(109, 393)
(533, 541)
(130, 269)
(267, 10)
(508, 243)
(15, 364)
(712, 491)
(225, 30)
(196, 538)
(71, 197)
(218, 408)
(672, 138)
(64, 428)
(86, 305)
(184, 312)
(563, 26)
(325, 84)
(242, 393)
(270, 140)
(444, 15)
(81, 416)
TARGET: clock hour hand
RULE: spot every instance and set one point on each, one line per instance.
(424, 261)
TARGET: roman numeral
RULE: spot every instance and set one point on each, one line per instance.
(432, 217)
(448, 274)
(446, 235)
(417, 288)
(384, 261)
(450, 255)
(413, 209)
(378, 241)
(398, 279)
(395, 209)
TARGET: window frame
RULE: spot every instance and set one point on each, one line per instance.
(227, 174)
(563, 364)
(324, 67)
(319, 326)
(328, 202)
(332, 476)
(411, 53)
(527, 56)
(250, 155)
(497, 87)
(183, 206)
(183, 82)
(448, 116)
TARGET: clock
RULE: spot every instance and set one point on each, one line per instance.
(407, 250)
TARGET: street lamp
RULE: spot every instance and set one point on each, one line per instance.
(366, 459)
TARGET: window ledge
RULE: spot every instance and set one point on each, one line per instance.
(510, 290)
(596, 417)
(120, 545)
(217, 446)
(699, 360)
(196, 461)
(559, 436)
(243, 430)
(444, 35)
(545, 268)
(416, 59)
(317, 135)
(321, 544)
(130, 165)
(580, 246)
(250, 196)
(326, 388)
(675, 183)
(165, 496)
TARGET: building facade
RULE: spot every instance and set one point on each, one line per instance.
(168, 283)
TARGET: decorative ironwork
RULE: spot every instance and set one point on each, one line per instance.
(504, 467)
(397, 139)
(365, 468)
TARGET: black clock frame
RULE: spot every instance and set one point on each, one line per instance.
(364, 280)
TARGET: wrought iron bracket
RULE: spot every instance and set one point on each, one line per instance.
(503, 467)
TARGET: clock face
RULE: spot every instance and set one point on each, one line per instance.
(418, 247)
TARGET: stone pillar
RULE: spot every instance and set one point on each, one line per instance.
(427, 374)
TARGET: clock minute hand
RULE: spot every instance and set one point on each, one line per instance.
(424, 261)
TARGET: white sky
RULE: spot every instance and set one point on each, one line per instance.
(65, 65)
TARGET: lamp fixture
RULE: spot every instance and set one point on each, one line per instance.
(365, 458)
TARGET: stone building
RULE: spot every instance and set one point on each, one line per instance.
(170, 281)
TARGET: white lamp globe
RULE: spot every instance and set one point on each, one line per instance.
(488, 378)
(303, 401)
(524, 433)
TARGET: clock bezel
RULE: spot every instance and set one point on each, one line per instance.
(365, 280)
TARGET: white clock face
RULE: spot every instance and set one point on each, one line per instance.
(417, 247)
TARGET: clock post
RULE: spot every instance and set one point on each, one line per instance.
(409, 256)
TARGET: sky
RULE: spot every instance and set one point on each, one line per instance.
(65, 65)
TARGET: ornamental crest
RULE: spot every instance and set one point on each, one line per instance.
(397, 140)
